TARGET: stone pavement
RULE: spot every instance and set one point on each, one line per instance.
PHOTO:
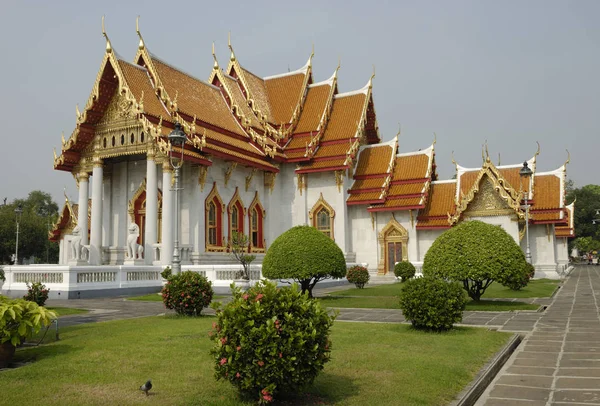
(558, 363)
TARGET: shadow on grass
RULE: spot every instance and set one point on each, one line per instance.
(25, 355)
(328, 389)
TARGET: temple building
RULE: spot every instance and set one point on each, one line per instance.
(264, 154)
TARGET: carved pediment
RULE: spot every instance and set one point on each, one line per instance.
(487, 201)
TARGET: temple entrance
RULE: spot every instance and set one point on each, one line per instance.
(393, 240)
(137, 213)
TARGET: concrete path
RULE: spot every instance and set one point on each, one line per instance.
(558, 363)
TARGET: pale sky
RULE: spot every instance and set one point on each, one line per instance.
(509, 72)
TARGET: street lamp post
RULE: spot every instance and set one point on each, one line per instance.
(177, 139)
(18, 212)
(526, 173)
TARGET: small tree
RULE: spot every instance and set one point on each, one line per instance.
(476, 254)
(239, 249)
(404, 270)
(305, 255)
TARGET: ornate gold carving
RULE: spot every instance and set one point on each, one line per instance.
(392, 232)
(372, 220)
(269, 180)
(301, 182)
(500, 188)
(249, 178)
(202, 171)
(339, 180)
(131, 205)
(229, 171)
(487, 202)
(412, 219)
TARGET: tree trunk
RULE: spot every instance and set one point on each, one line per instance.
(7, 351)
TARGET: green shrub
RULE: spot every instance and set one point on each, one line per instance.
(522, 280)
(432, 304)
(187, 293)
(358, 275)
(166, 273)
(404, 270)
(270, 340)
(37, 292)
(305, 255)
(21, 319)
(476, 254)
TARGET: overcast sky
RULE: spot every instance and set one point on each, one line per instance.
(509, 72)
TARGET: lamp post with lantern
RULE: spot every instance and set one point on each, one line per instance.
(525, 173)
(177, 139)
(18, 213)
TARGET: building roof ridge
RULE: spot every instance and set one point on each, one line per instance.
(154, 56)
(425, 151)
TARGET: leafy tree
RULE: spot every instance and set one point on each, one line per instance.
(588, 201)
(305, 255)
(586, 244)
(239, 250)
(476, 254)
(39, 214)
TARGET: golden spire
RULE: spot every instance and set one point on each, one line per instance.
(568, 158)
(482, 153)
(337, 69)
(453, 160)
(65, 193)
(62, 138)
(232, 57)
(371, 79)
(434, 138)
(216, 64)
(312, 54)
(538, 149)
(55, 154)
(108, 46)
(498, 158)
(77, 112)
(137, 29)
(399, 130)
(487, 153)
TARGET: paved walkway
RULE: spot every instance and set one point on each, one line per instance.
(558, 363)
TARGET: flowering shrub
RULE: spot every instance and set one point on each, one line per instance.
(358, 275)
(432, 304)
(166, 273)
(37, 293)
(187, 293)
(404, 270)
(270, 340)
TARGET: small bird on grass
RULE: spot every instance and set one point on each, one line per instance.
(146, 387)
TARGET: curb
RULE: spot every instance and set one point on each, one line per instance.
(485, 376)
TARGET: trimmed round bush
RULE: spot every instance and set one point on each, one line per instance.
(187, 293)
(358, 275)
(404, 270)
(270, 340)
(476, 254)
(522, 280)
(432, 304)
(305, 255)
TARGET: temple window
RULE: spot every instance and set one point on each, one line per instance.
(256, 217)
(322, 215)
(214, 209)
(236, 211)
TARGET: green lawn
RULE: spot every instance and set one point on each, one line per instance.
(155, 297)
(372, 364)
(386, 297)
(66, 311)
(535, 288)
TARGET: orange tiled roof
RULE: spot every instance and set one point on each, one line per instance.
(411, 167)
(345, 116)
(195, 97)
(466, 181)
(244, 157)
(404, 202)
(369, 183)
(332, 150)
(546, 216)
(374, 160)
(364, 197)
(284, 94)
(212, 135)
(238, 99)
(407, 189)
(258, 92)
(546, 191)
(139, 83)
(295, 154)
(298, 142)
(511, 175)
(330, 163)
(313, 108)
(440, 202)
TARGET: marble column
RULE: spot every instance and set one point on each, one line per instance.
(151, 209)
(96, 231)
(166, 251)
(82, 210)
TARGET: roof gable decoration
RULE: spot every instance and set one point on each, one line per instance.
(510, 196)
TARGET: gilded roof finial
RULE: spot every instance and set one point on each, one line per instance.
(216, 64)
(65, 193)
(454, 161)
(568, 158)
(108, 46)
(482, 153)
(399, 130)
(137, 29)
(232, 57)
(538, 149)
(55, 154)
(434, 138)
(77, 112)
(371, 79)
(487, 154)
(498, 158)
(62, 138)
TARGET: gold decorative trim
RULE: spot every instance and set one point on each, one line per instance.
(392, 232)
(302, 182)
(249, 178)
(322, 203)
(202, 172)
(131, 205)
(269, 180)
(372, 220)
(229, 171)
(339, 180)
